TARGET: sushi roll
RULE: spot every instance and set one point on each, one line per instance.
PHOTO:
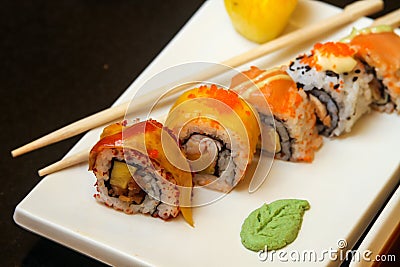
(379, 50)
(218, 131)
(133, 174)
(337, 84)
(293, 115)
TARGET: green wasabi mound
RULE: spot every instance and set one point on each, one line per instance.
(273, 225)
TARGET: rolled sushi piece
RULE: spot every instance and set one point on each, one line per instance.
(133, 174)
(337, 83)
(218, 131)
(295, 129)
(378, 48)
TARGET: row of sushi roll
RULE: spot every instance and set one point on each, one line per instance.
(135, 165)
(320, 93)
(341, 81)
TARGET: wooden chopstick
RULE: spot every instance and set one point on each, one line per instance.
(67, 162)
(392, 19)
(75, 159)
(350, 13)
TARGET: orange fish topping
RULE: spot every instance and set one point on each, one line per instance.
(381, 49)
(228, 97)
(153, 153)
(335, 49)
(280, 92)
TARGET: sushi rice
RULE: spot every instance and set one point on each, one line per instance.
(340, 97)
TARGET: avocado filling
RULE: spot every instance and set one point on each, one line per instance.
(122, 184)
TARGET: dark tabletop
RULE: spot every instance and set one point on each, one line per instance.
(61, 61)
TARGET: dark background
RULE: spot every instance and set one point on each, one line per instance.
(61, 61)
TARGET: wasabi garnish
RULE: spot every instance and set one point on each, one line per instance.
(273, 225)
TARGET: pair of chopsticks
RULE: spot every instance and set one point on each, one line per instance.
(351, 13)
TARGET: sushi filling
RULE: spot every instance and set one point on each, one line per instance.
(222, 166)
(128, 181)
(379, 91)
(122, 184)
(284, 141)
(326, 109)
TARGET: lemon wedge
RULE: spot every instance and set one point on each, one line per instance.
(260, 20)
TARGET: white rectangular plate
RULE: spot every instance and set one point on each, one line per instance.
(374, 242)
(345, 185)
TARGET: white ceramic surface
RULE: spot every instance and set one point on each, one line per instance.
(345, 185)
